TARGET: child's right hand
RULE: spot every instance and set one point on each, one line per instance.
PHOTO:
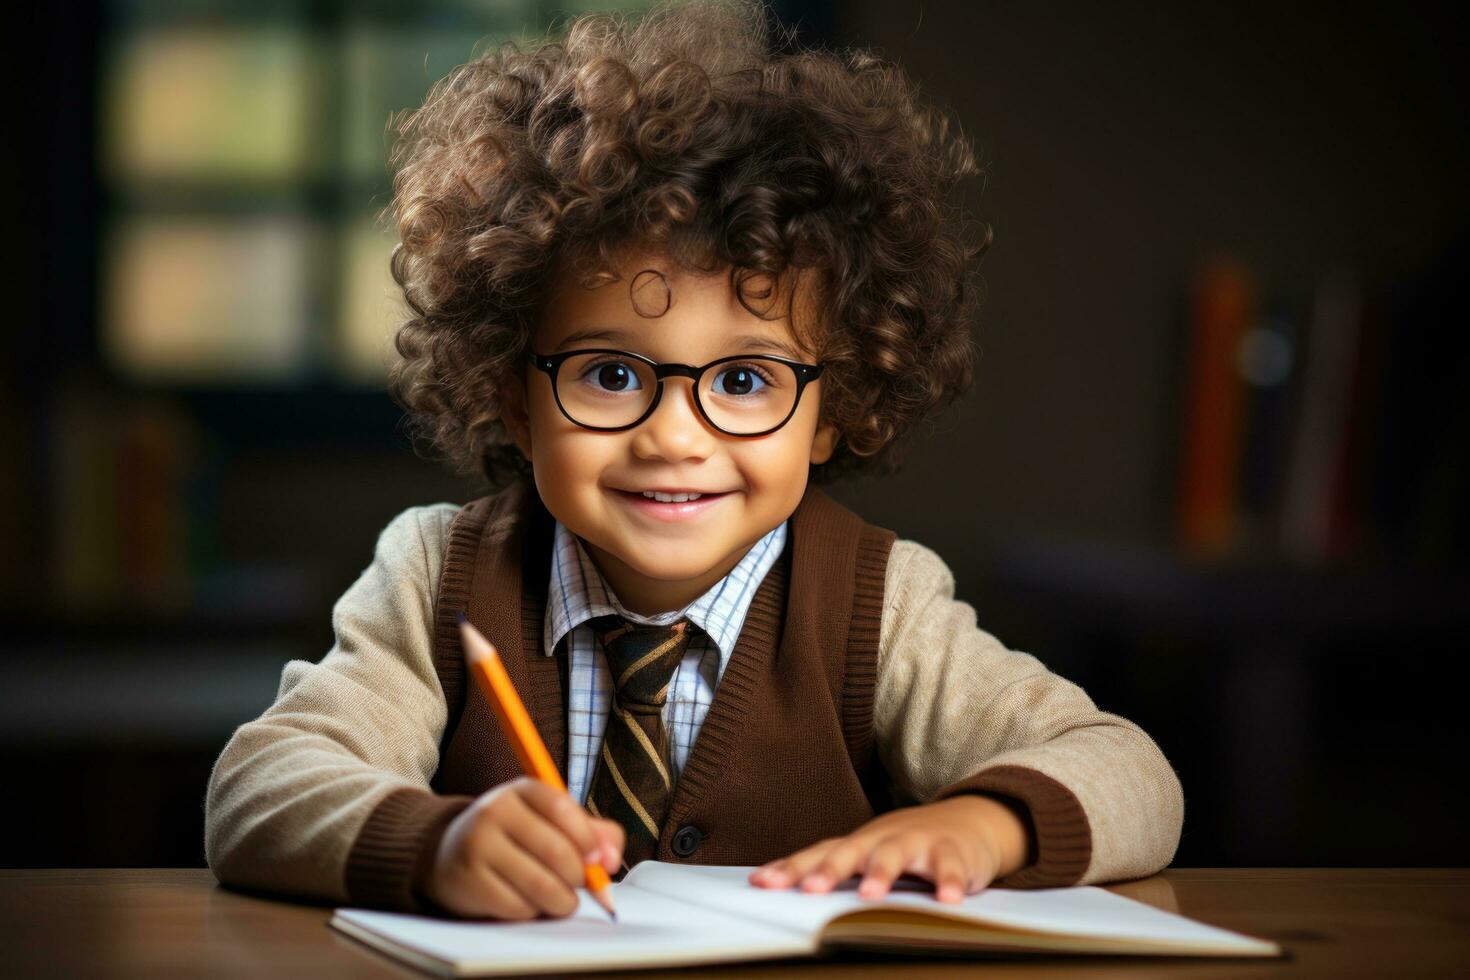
(519, 851)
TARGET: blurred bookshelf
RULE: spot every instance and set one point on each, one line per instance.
(1287, 634)
(207, 447)
(238, 304)
(1319, 423)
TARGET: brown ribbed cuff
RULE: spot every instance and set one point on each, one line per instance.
(1063, 835)
(401, 833)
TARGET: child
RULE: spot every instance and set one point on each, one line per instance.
(660, 278)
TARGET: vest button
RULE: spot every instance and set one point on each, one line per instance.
(686, 840)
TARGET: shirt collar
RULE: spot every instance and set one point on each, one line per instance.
(577, 592)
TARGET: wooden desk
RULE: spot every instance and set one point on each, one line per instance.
(179, 923)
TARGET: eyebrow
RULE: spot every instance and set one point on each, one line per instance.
(741, 344)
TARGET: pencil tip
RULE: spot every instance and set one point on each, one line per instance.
(603, 898)
(459, 616)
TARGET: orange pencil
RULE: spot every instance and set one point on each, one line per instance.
(484, 663)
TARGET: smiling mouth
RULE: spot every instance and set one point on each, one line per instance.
(673, 496)
(676, 496)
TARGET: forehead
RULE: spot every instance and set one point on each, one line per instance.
(656, 307)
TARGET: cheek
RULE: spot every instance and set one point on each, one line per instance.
(568, 469)
(777, 467)
(567, 460)
(573, 454)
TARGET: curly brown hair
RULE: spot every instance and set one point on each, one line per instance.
(685, 132)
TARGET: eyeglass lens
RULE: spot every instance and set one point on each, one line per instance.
(744, 396)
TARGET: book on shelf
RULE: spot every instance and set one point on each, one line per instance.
(1267, 363)
(1328, 432)
(122, 519)
(1312, 510)
(1221, 311)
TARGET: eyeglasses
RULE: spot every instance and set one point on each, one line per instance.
(612, 390)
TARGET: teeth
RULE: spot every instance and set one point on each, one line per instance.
(670, 498)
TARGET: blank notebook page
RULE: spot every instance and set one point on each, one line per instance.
(1084, 911)
(651, 930)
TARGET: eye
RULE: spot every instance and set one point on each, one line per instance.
(611, 375)
(740, 379)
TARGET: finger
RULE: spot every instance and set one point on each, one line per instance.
(770, 875)
(562, 812)
(488, 895)
(885, 863)
(549, 844)
(537, 885)
(839, 863)
(951, 877)
(785, 872)
(613, 839)
(982, 869)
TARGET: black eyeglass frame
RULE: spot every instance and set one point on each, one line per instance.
(551, 364)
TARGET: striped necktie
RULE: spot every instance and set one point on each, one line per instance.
(631, 782)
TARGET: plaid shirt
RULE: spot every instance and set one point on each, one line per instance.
(578, 593)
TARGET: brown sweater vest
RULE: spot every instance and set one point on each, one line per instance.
(785, 756)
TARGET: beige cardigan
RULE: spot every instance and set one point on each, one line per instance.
(292, 788)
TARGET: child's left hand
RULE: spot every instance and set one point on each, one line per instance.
(961, 844)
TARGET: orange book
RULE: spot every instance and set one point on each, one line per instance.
(1214, 404)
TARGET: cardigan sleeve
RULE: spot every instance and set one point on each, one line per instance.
(327, 793)
(955, 712)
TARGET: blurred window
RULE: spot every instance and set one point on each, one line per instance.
(244, 155)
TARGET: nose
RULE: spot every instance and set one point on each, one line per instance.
(675, 430)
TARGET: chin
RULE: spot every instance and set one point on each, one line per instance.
(672, 573)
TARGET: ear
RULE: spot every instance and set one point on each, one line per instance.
(823, 444)
(515, 416)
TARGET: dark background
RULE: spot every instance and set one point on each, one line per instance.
(1309, 706)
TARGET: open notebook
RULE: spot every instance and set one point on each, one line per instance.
(679, 915)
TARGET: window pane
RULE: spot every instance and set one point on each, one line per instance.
(386, 71)
(201, 299)
(371, 303)
(199, 102)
